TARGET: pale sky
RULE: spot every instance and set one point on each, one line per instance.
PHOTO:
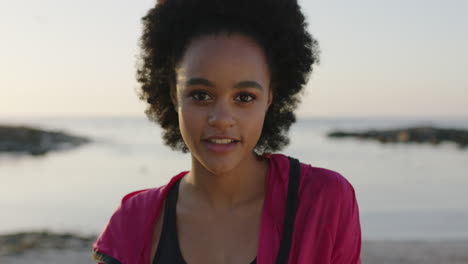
(379, 58)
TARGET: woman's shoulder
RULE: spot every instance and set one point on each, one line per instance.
(311, 176)
(124, 232)
(140, 199)
(324, 178)
(139, 203)
(326, 189)
(326, 196)
(129, 226)
(147, 197)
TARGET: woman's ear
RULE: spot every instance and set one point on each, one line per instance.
(270, 97)
(173, 94)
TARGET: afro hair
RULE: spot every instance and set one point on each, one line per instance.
(278, 26)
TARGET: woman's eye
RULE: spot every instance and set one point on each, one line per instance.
(245, 97)
(200, 96)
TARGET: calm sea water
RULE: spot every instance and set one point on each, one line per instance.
(404, 191)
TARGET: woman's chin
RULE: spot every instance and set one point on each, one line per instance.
(220, 164)
(220, 167)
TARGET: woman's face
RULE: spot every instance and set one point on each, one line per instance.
(222, 94)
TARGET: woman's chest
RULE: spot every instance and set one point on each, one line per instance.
(228, 237)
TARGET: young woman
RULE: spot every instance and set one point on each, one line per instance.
(223, 78)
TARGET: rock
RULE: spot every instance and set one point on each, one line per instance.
(19, 243)
(429, 135)
(22, 139)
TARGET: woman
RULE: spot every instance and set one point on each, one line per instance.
(222, 78)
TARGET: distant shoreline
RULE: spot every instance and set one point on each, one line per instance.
(421, 135)
(18, 139)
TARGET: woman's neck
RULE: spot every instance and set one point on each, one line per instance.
(243, 184)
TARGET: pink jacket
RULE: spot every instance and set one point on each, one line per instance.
(326, 230)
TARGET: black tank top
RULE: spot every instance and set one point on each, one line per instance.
(168, 251)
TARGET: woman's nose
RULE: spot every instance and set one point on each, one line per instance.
(221, 116)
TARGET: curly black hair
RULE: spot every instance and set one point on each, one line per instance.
(278, 26)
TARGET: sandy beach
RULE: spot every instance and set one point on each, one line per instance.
(411, 252)
(47, 248)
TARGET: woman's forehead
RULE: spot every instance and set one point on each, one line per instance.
(232, 58)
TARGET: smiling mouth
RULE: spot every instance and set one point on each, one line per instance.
(222, 141)
(220, 146)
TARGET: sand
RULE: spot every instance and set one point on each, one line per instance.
(378, 252)
(49, 256)
(435, 252)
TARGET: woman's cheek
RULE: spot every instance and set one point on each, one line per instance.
(186, 125)
(255, 123)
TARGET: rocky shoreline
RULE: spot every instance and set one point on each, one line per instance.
(45, 247)
(424, 134)
(20, 243)
(33, 141)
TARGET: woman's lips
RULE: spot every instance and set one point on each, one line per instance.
(220, 148)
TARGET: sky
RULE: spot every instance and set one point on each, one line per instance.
(399, 58)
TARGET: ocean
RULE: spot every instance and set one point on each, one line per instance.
(404, 191)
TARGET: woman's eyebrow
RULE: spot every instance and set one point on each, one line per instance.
(248, 84)
(199, 81)
(239, 85)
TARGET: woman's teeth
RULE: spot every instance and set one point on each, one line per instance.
(221, 141)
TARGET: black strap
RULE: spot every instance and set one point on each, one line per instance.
(168, 250)
(103, 258)
(290, 216)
